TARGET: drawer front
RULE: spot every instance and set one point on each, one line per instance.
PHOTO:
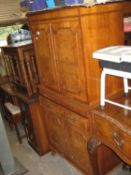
(68, 116)
(114, 135)
(77, 120)
(56, 132)
(51, 106)
(77, 149)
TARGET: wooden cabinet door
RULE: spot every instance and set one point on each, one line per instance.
(44, 55)
(57, 133)
(66, 134)
(77, 147)
(69, 58)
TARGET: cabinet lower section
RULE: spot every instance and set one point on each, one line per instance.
(68, 133)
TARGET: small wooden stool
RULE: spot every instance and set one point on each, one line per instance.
(14, 117)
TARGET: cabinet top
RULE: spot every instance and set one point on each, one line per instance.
(86, 5)
(70, 11)
(9, 89)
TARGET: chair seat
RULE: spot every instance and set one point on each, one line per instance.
(13, 109)
(15, 119)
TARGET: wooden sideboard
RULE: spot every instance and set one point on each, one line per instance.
(111, 127)
(64, 39)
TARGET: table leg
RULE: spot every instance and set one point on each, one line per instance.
(93, 145)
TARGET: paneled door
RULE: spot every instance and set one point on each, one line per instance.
(67, 42)
(44, 55)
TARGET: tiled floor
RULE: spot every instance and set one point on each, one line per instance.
(44, 165)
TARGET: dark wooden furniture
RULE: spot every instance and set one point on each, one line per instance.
(34, 123)
(112, 127)
(32, 118)
(21, 67)
(22, 90)
(64, 40)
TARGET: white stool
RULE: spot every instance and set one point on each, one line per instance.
(116, 61)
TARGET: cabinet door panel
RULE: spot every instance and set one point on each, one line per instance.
(69, 58)
(65, 134)
(44, 55)
(77, 147)
(57, 133)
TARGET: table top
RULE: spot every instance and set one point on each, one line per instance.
(18, 44)
(10, 90)
(117, 115)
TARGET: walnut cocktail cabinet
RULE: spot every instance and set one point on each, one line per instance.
(64, 39)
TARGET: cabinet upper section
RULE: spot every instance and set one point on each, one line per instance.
(68, 11)
(64, 40)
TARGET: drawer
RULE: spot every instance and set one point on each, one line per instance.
(115, 135)
(68, 116)
(77, 149)
(77, 120)
(51, 106)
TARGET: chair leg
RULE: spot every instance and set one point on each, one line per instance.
(10, 121)
(17, 132)
(125, 80)
(102, 94)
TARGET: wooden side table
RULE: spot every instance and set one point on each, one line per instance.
(21, 67)
(112, 128)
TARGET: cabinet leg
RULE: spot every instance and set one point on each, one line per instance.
(92, 146)
(53, 153)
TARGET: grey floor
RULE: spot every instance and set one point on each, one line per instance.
(44, 165)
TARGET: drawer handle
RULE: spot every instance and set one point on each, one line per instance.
(116, 139)
(58, 121)
(36, 37)
(37, 33)
(72, 120)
